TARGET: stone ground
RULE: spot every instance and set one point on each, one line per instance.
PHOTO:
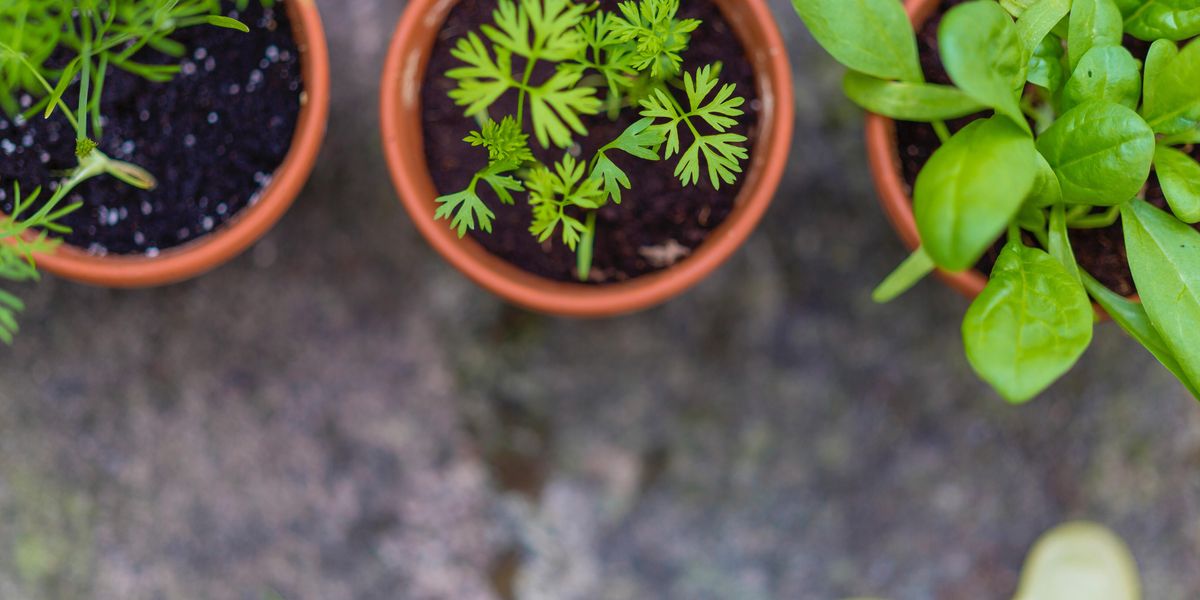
(338, 415)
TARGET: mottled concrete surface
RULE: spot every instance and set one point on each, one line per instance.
(339, 415)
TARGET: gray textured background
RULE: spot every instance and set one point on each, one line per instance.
(339, 415)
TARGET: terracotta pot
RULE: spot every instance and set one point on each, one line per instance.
(886, 169)
(251, 223)
(403, 78)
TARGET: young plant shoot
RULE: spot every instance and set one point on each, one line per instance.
(566, 61)
(1075, 124)
(92, 37)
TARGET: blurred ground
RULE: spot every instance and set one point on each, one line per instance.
(339, 415)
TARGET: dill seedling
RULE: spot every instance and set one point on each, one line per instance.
(92, 36)
(603, 62)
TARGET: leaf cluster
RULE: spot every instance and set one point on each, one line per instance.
(48, 47)
(1077, 125)
(567, 61)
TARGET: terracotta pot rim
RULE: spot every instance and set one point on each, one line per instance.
(400, 106)
(248, 225)
(884, 157)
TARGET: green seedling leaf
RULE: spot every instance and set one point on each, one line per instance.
(869, 36)
(466, 211)
(915, 268)
(227, 23)
(983, 55)
(1079, 560)
(1172, 104)
(1163, 19)
(1179, 175)
(1107, 73)
(1132, 317)
(1101, 152)
(1029, 326)
(1016, 8)
(1093, 24)
(1164, 256)
(1046, 65)
(1038, 20)
(906, 101)
(970, 190)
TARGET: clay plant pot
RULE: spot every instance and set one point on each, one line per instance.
(251, 223)
(403, 77)
(886, 169)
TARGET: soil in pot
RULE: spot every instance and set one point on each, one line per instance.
(1100, 251)
(658, 224)
(213, 137)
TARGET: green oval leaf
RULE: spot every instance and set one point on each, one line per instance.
(1029, 326)
(1100, 151)
(1164, 256)
(983, 56)
(871, 36)
(1172, 104)
(1179, 175)
(1164, 19)
(1108, 73)
(970, 190)
(1132, 317)
(1038, 20)
(1046, 65)
(1094, 24)
(227, 23)
(908, 101)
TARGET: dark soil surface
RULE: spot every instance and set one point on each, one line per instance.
(658, 223)
(213, 138)
(1100, 251)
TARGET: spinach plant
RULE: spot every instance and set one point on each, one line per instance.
(1074, 124)
(566, 61)
(48, 47)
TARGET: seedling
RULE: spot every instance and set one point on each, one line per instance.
(1076, 125)
(97, 35)
(595, 61)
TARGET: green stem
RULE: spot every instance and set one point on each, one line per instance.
(943, 132)
(524, 88)
(586, 248)
(1099, 221)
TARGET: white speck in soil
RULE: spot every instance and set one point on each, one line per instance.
(207, 223)
(200, 53)
(127, 148)
(256, 77)
(138, 238)
(264, 64)
(285, 56)
(26, 101)
(222, 209)
(3, 195)
(189, 140)
(97, 249)
(210, 64)
(183, 233)
(212, 118)
(44, 158)
(27, 140)
(19, 120)
(234, 89)
(144, 116)
(8, 147)
(146, 208)
(151, 252)
(188, 68)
